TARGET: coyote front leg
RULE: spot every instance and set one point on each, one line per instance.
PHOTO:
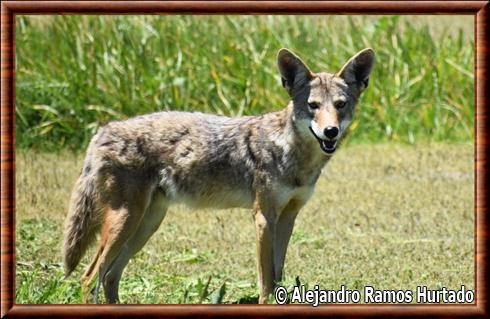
(265, 220)
(284, 228)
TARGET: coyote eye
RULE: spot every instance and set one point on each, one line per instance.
(313, 105)
(339, 104)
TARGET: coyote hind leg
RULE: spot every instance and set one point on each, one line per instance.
(150, 223)
(89, 274)
(127, 202)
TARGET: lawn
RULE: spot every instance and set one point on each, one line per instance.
(389, 216)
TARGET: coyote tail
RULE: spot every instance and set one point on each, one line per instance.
(82, 222)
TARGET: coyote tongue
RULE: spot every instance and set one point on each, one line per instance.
(327, 147)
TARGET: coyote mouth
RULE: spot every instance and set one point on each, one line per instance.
(328, 147)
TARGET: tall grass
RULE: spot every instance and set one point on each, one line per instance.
(76, 73)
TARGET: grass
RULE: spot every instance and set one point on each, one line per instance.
(395, 221)
(75, 73)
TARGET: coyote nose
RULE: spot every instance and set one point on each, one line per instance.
(331, 132)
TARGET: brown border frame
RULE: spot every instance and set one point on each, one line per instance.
(480, 10)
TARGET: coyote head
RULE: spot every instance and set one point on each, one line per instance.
(323, 103)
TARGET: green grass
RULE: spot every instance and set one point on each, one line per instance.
(75, 73)
(395, 221)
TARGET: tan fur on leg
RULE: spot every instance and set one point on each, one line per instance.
(264, 216)
(149, 224)
(88, 277)
(284, 229)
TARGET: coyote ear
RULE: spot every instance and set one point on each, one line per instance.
(294, 72)
(358, 68)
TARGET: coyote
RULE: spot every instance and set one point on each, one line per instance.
(134, 169)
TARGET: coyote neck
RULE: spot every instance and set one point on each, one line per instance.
(302, 158)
